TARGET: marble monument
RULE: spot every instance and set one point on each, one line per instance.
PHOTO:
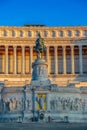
(40, 100)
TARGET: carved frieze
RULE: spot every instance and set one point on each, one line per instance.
(67, 104)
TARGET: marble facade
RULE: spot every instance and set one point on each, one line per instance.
(49, 91)
(66, 54)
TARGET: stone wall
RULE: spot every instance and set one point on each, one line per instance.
(17, 104)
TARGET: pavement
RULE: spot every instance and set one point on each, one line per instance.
(43, 126)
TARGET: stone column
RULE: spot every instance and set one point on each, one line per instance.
(6, 59)
(80, 60)
(47, 59)
(64, 60)
(23, 60)
(56, 60)
(31, 58)
(15, 60)
(72, 59)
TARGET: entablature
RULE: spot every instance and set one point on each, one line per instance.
(46, 32)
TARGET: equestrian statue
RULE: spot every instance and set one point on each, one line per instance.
(40, 47)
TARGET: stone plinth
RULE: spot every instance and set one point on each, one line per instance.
(40, 73)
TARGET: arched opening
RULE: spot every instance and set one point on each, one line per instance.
(53, 34)
(29, 34)
(45, 33)
(21, 33)
(13, 33)
(5, 33)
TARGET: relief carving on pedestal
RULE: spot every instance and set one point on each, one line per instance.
(28, 104)
(12, 104)
(66, 104)
(15, 104)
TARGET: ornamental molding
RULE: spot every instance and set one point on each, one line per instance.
(23, 39)
(42, 28)
(48, 42)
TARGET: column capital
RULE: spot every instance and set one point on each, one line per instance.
(31, 46)
(48, 47)
(55, 46)
(80, 46)
(23, 46)
(6, 46)
(72, 47)
(14, 46)
(64, 47)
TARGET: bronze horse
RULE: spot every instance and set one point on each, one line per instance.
(40, 47)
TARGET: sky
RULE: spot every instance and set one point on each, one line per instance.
(47, 12)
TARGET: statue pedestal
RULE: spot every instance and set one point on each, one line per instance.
(40, 73)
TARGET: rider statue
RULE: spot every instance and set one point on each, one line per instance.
(40, 47)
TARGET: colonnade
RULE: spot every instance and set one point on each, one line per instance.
(55, 64)
(72, 60)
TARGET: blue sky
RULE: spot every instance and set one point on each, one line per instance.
(48, 12)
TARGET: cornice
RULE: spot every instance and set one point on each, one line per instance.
(43, 28)
(45, 39)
